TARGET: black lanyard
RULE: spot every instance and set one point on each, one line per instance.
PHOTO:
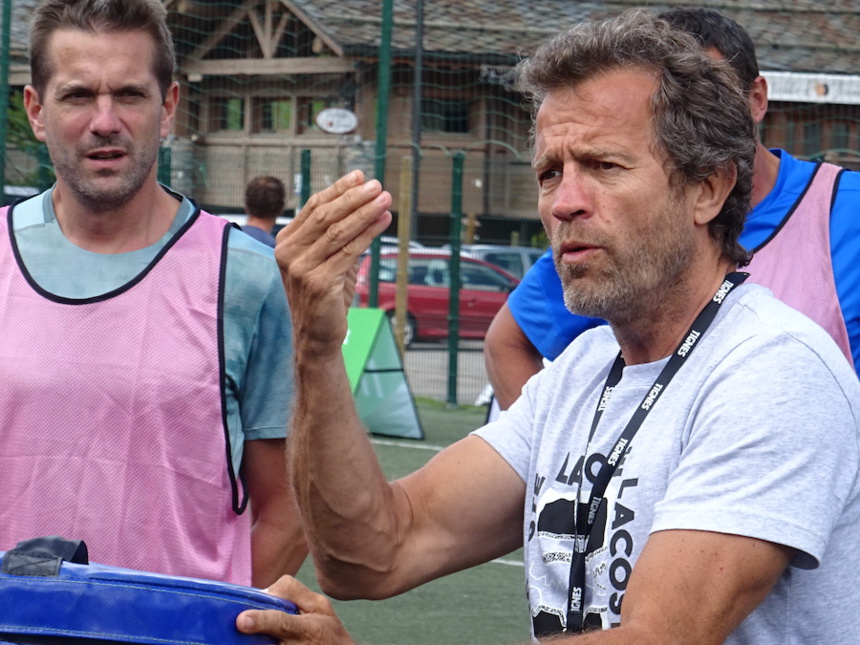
(582, 544)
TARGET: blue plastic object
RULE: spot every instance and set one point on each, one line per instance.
(89, 603)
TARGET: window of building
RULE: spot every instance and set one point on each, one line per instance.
(812, 139)
(273, 114)
(790, 138)
(229, 113)
(839, 134)
(445, 116)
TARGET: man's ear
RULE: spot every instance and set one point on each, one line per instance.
(168, 108)
(712, 194)
(34, 112)
(758, 99)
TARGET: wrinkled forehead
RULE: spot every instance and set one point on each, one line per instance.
(75, 54)
(616, 106)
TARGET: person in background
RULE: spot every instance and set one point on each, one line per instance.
(264, 202)
(668, 477)
(138, 407)
(803, 230)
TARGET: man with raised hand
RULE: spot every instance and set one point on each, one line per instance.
(669, 476)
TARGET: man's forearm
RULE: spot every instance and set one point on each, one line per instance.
(277, 549)
(618, 636)
(510, 358)
(345, 500)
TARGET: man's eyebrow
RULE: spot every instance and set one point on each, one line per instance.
(77, 86)
(592, 152)
(137, 87)
(72, 86)
(540, 161)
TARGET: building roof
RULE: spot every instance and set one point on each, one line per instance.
(790, 35)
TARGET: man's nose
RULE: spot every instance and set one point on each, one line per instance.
(106, 118)
(571, 198)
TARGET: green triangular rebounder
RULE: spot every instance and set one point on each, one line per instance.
(382, 395)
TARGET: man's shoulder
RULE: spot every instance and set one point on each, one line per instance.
(29, 212)
(259, 234)
(252, 276)
(849, 185)
(765, 326)
(801, 170)
(597, 344)
(240, 242)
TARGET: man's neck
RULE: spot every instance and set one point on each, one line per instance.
(139, 223)
(766, 173)
(264, 224)
(656, 330)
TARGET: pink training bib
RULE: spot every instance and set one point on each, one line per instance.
(111, 414)
(796, 264)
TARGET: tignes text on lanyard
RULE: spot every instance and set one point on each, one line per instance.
(582, 543)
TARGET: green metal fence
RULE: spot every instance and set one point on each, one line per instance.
(433, 92)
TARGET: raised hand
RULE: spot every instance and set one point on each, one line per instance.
(318, 251)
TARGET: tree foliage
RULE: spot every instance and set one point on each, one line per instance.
(19, 134)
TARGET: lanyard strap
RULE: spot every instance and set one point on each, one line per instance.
(582, 542)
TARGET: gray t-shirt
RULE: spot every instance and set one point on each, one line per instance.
(757, 435)
(257, 326)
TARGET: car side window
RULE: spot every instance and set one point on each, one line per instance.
(510, 262)
(388, 270)
(480, 278)
(438, 274)
(417, 271)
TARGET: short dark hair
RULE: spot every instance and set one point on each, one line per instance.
(94, 16)
(702, 121)
(265, 197)
(713, 29)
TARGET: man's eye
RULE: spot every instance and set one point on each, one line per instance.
(548, 175)
(75, 96)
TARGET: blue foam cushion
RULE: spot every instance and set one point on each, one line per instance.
(98, 602)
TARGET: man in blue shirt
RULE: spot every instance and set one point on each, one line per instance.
(535, 324)
(264, 201)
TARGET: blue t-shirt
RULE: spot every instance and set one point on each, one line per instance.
(257, 326)
(538, 306)
(259, 234)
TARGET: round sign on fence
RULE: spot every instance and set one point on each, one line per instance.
(337, 120)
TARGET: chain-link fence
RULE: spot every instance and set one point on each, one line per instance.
(424, 82)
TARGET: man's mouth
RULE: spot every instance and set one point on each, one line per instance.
(105, 154)
(575, 252)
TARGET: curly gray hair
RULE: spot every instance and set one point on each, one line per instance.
(702, 121)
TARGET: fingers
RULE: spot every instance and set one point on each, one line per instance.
(289, 629)
(274, 623)
(288, 588)
(340, 220)
(330, 193)
(317, 623)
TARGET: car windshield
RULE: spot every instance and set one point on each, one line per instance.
(435, 272)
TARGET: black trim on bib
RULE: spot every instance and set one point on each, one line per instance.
(239, 501)
(105, 296)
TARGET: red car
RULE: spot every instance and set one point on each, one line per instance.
(483, 290)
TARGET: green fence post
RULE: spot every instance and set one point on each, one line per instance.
(382, 94)
(454, 270)
(305, 193)
(4, 93)
(165, 159)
